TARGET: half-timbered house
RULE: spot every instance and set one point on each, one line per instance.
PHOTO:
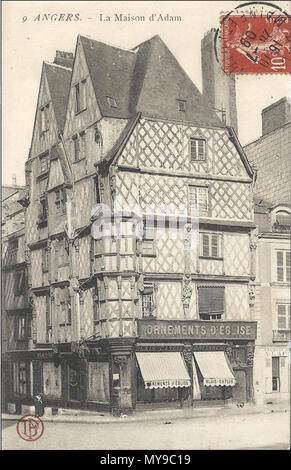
(139, 225)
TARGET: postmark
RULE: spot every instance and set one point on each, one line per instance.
(30, 428)
(254, 38)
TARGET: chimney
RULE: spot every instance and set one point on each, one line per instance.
(14, 180)
(218, 87)
(65, 59)
(276, 115)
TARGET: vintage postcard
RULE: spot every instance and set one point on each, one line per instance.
(146, 228)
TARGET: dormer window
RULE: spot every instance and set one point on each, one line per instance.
(111, 102)
(181, 105)
(80, 96)
(44, 118)
(282, 222)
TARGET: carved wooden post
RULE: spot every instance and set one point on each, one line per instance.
(188, 354)
(250, 349)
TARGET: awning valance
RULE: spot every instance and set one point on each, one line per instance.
(215, 368)
(163, 369)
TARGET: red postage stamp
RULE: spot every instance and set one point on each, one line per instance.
(256, 44)
(30, 427)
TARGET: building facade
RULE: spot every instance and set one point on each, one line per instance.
(16, 319)
(270, 154)
(139, 237)
(272, 304)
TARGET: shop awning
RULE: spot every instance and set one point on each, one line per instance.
(215, 368)
(163, 369)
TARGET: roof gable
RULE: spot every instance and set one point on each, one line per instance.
(147, 79)
(111, 70)
(58, 78)
(53, 91)
(162, 82)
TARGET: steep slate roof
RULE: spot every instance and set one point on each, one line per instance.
(9, 190)
(147, 79)
(58, 78)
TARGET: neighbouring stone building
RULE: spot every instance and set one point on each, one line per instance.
(271, 155)
(131, 305)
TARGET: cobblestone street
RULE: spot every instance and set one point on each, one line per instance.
(243, 431)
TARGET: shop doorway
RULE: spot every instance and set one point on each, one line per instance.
(239, 391)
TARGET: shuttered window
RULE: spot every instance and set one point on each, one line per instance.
(283, 311)
(211, 300)
(283, 266)
(210, 245)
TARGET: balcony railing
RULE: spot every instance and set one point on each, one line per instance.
(281, 335)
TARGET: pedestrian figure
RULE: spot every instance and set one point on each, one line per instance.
(39, 405)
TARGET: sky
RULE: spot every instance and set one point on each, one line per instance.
(29, 38)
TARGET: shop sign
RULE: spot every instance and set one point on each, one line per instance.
(207, 330)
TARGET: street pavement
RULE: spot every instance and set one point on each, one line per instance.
(240, 431)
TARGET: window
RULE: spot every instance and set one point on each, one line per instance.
(198, 198)
(275, 374)
(20, 381)
(148, 300)
(48, 319)
(43, 164)
(43, 209)
(80, 96)
(21, 327)
(210, 245)
(61, 201)
(210, 302)
(45, 260)
(197, 149)
(282, 222)
(283, 266)
(12, 251)
(62, 253)
(95, 297)
(64, 306)
(148, 244)
(283, 311)
(79, 146)
(181, 105)
(44, 118)
(111, 102)
(19, 283)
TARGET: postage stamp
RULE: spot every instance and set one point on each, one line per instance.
(256, 44)
(30, 428)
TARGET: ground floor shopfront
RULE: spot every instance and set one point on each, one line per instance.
(168, 364)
